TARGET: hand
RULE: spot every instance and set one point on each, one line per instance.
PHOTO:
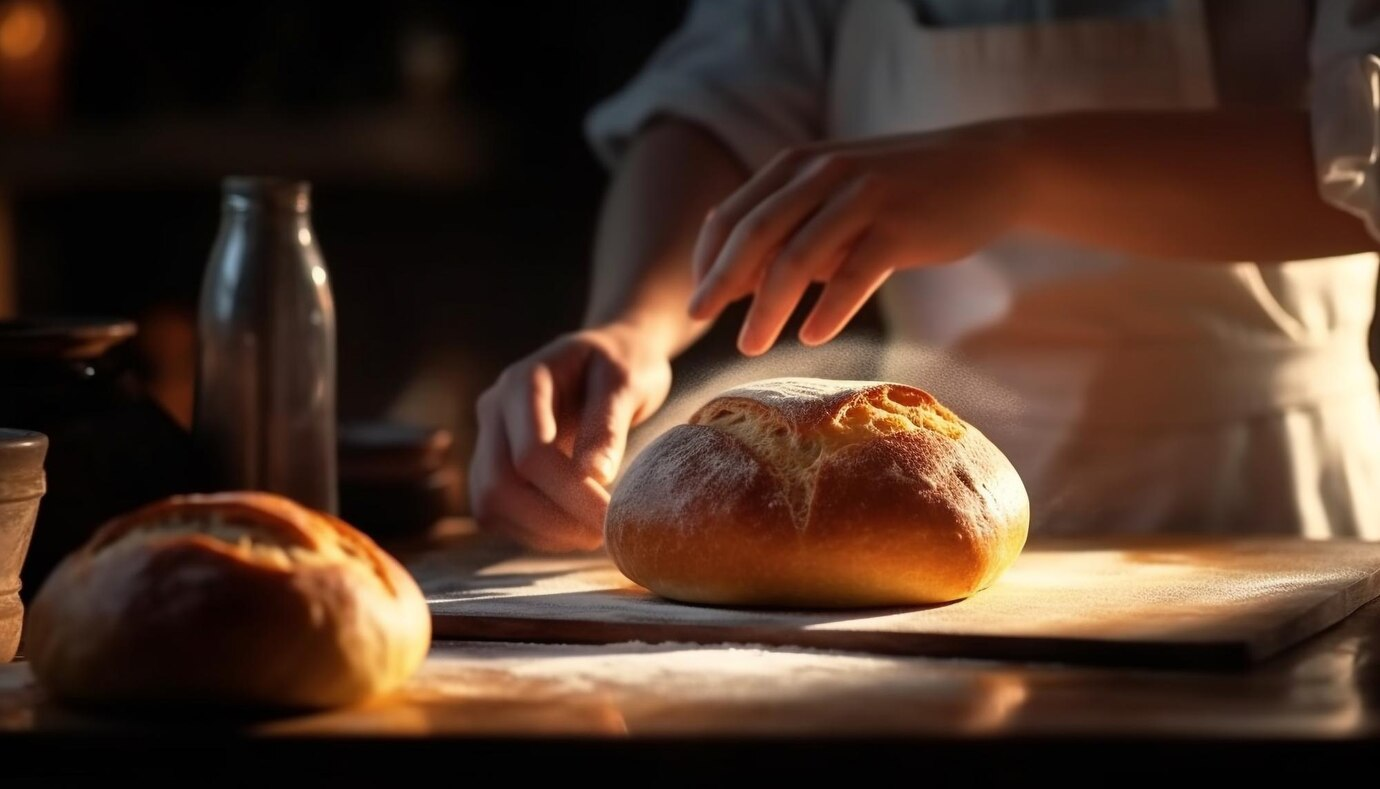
(552, 431)
(848, 214)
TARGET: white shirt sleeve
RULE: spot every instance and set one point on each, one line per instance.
(1345, 106)
(751, 72)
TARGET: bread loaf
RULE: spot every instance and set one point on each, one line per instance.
(243, 599)
(815, 493)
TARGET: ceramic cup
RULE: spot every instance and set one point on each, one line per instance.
(21, 486)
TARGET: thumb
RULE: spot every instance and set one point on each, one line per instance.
(610, 405)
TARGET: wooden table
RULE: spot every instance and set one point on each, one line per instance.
(690, 712)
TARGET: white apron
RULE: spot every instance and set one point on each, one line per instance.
(1133, 395)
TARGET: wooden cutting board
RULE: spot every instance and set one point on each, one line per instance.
(1188, 602)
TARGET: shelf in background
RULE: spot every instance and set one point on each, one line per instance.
(382, 146)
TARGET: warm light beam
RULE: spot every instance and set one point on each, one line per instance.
(23, 28)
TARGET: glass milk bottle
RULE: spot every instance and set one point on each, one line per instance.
(265, 396)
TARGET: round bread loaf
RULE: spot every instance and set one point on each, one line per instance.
(240, 599)
(815, 493)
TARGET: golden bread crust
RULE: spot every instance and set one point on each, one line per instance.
(244, 599)
(800, 492)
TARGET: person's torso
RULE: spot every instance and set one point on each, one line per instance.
(1240, 338)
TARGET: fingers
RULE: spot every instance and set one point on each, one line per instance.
(551, 431)
(530, 406)
(542, 402)
(542, 466)
(760, 224)
(610, 409)
(536, 522)
(707, 245)
(506, 501)
(812, 251)
(720, 222)
(857, 278)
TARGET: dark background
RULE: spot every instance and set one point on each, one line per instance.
(454, 193)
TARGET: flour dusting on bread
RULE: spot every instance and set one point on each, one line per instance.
(800, 491)
(795, 424)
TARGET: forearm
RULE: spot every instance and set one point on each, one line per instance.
(673, 175)
(1221, 185)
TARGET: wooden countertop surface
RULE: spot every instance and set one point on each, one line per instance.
(1310, 710)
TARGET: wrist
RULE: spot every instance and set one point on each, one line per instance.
(1022, 151)
(1005, 155)
(656, 331)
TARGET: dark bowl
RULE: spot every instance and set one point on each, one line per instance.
(62, 338)
(111, 447)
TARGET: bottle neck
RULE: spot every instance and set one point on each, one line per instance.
(267, 215)
(280, 198)
(267, 222)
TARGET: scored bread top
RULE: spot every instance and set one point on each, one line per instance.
(850, 410)
(794, 425)
(264, 529)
